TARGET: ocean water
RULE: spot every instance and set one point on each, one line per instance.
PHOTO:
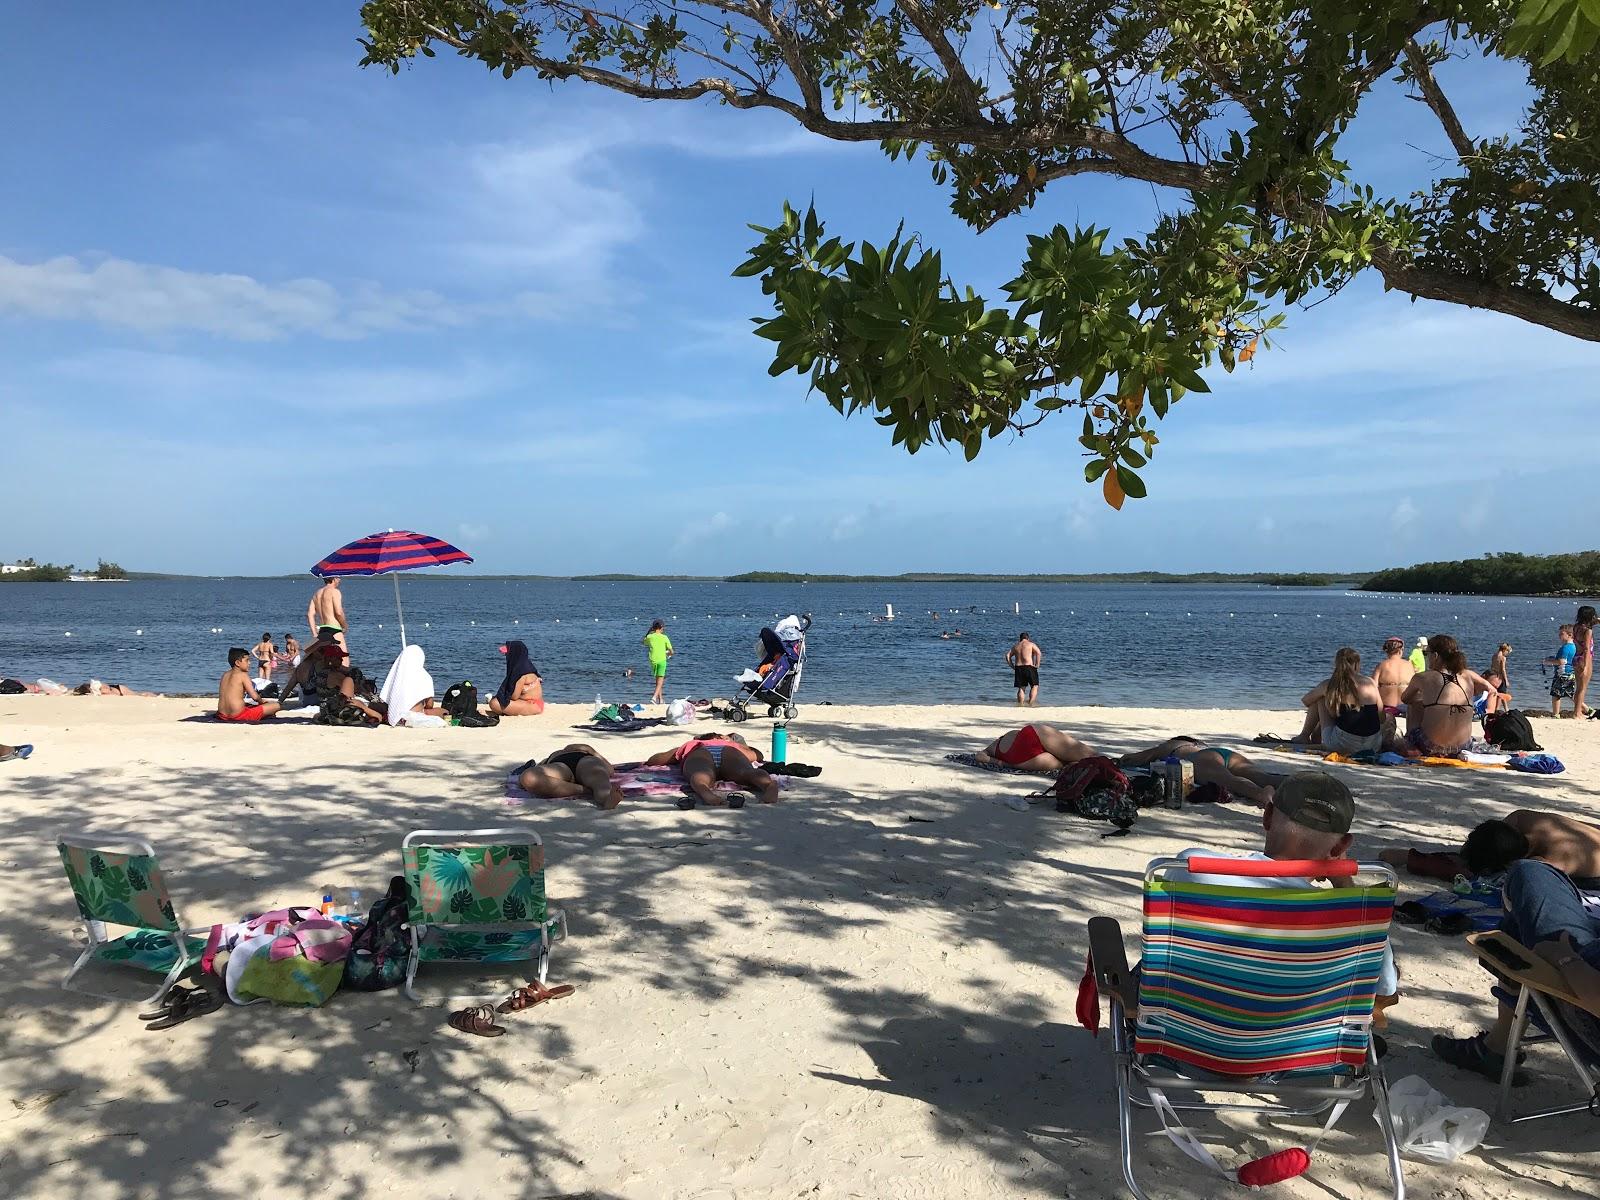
(1114, 644)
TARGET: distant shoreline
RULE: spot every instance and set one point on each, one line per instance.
(1270, 578)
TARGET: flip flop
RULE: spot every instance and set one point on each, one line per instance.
(184, 1004)
(478, 1020)
(687, 802)
(738, 799)
(17, 752)
(534, 993)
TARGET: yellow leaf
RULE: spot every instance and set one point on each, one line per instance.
(1131, 404)
(1033, 172)
(1249, 351)
(1112, 490)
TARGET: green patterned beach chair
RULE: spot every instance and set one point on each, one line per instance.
(477, 896)
(1248, 997)
(116, 880)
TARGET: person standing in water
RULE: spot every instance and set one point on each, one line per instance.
(265, 653)
(1024, 658)
(326, 611)
(659, 646)
(1583, 658)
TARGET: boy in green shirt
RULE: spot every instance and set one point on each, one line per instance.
(660, 648)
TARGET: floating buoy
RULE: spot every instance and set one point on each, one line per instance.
(68, 633)
(516, 620)
(138, 633)
(471, 622)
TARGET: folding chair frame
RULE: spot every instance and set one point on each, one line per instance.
(1541, 983)
(1293, 1098)
(126, 843)
(555, 918)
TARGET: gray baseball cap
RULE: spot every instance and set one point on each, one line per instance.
(1316, 800)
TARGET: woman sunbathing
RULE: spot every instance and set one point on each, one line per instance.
(574, 770)
(1227, 769)
(1035, 748)
(712, 758)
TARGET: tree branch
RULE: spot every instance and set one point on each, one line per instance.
(954, 69)
(1433, 95)
(1538, 308)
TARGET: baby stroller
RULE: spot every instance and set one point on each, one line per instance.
(776, 681)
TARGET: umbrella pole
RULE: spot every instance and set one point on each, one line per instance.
(402, 612)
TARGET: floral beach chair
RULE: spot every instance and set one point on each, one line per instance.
(118, 882)
(477, 896)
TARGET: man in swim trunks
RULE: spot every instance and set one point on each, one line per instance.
(236, 694)
(574, 770)
(1035, 748)
(1024, 658)
(326, 611)
(1228, 769)
(712, 758)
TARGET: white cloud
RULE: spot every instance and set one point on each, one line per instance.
(473, 533)
(700, 531)
(1404, 516)
(160, 299)
(846, 527)
(1266, 526)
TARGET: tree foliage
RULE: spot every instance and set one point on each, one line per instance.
(1234, 107)
(1498, 575)
(109, 570)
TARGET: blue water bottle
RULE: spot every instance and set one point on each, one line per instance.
(780, 745)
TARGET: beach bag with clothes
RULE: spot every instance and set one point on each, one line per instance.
(293, 956)
(381, 949)
(1510, 731)
(681, 712)
(1095, 789)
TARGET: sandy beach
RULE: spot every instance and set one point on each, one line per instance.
(865, 991)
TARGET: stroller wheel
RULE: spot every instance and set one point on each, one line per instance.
(773, 710)
(791, 712)
(737, 714)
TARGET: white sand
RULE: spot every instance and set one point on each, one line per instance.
(824, 999)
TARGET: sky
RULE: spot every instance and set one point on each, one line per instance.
(256, 302)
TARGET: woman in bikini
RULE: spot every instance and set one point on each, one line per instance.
(711, 758)
(1035, 748)
(1344, 713)
(1583, 662)
(1438, 703)
(1229, 769)
(574, 770)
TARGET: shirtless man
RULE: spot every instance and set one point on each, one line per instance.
(237, 700)
(1023, 659)
(1393, 675)
(1570, 846)
(326, 610)
(1035, 748)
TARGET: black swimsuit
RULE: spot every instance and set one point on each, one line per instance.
(1359, 721)
(568, 759)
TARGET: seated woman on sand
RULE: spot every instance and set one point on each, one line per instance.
(406, 697)
(521, 693)
(1344, 713)
(1228, 769)
(711, 758)
(577, 769)
(1439, 703)
(1035, 747)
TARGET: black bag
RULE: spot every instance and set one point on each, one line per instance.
(1510, 731)
(460, 700)
(12, 687)
(381, 948)
(337, 710)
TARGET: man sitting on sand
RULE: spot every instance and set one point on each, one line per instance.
(1228, 769)
(577, 769)
(236, 694)
(1393, 675)
(1035, 747)
(711, 758)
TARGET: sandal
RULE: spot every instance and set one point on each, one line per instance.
(184, 1004)
(738, 799)
(534, 993)
(478, 1020)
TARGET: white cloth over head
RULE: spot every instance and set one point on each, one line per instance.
(407, 684)
(788, 629)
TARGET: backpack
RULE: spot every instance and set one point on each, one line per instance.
(1095, 789)
(460, 700)
(1510, 731)
(12, 687)
(381, 949)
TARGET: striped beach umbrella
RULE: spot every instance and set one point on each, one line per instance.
(389, 553)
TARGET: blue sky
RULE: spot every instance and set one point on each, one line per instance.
(255, 302)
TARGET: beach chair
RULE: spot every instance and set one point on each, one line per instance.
(116, 880)
(477, 896)
(1542, 996)
(1249, 997)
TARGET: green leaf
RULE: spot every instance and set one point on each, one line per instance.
(1132, 485)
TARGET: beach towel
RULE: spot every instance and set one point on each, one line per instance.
(633, 780)
(1450, 914)
(632, 725)
(971, 760)
(407, 684)
(1538, 764)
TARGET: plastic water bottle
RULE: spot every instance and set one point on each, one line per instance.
(353, 909)
(598, 702)
(780, 744)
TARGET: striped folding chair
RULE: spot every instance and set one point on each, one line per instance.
(1255, 992)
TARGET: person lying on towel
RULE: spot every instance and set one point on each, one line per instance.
(1035, 747)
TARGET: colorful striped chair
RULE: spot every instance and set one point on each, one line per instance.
(1255, 992)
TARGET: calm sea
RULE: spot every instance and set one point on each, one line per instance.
(1117, 644)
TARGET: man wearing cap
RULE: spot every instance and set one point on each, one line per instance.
(1419, 655)
(1393, 675)
(1308, 817)
(314, 662)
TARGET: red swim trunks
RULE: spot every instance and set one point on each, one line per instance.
(1024, 746)
(245, 716)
